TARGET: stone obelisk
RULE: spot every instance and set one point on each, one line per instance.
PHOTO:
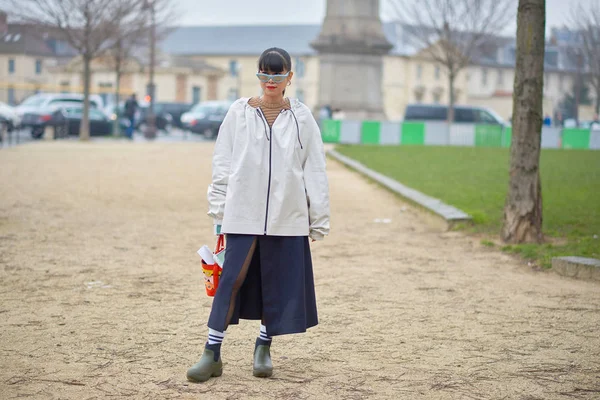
(351, 47)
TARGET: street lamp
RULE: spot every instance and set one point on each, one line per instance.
(150, 131)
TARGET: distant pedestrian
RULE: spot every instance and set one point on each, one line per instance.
(131, 107)
(325, 113)
(558, 119)
(547, 120)
(595, 126)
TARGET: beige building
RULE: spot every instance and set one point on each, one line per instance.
(25, 56)
(176, 79)
(214, 63)
(493, 87)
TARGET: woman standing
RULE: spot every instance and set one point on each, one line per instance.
(270, 193)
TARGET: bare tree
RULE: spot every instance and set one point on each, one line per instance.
(586, 20)
(130, 28)
(134, 30)
(452, 32)
(523, 208)
(87, 25)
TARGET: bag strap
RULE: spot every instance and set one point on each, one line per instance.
(220, 243)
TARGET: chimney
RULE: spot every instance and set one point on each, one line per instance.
(3, 23)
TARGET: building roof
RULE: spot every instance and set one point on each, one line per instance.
(252, 40)
(240, 40)
(26, 39)
(19, 40)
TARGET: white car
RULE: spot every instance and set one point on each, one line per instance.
(45, 100)
(9, 114)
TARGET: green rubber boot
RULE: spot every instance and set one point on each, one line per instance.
(206, 368)
(263, 366)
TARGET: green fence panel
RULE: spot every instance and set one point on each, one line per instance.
(506, 136)
(575, 138)
(488, 136)
(331, 131)
(370, 132)
(413, 133)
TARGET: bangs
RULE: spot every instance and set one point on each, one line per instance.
(273, 62)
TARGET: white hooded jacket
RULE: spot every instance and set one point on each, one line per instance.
(269, 181)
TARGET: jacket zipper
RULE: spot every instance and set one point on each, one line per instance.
(264, 119)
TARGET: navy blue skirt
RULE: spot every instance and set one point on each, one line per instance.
(268, 278)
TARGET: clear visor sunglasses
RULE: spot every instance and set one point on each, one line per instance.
(278, 78)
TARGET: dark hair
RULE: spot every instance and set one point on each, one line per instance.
(275, 61)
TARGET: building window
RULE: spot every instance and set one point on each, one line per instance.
(38, 67)
(500, 77)
(11, 96)
(11, 66)
(436, 98)
(300, 95)
(484, 77)
(233, 68)
(419, 96)
(437, 73)
(64, 86)
(419, 71)
(300, 68)
(196, 94)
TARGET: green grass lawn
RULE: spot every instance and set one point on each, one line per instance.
(475, 180)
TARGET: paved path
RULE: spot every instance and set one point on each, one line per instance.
(101, 293)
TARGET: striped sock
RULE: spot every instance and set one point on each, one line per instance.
(263, 334)
(215, 337)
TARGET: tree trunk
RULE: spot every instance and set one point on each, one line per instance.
(451, 78)
(84, 130)
(523, 208)
(116, 122)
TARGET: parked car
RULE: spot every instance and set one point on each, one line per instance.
(39, 118)
(44, 101)
(206, 118)
(464, 114)
(164, 120)
(176, 110)
(10, 116)
(66, 118)
(100, 123)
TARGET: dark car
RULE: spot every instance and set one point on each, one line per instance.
(206, 118)
(37, 120)
(65, 118)
(175, 110)
(164, 120)
(70, 118)
(464, 114)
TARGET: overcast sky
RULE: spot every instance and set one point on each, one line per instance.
(246, 12)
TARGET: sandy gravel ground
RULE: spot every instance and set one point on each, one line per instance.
(101, 294)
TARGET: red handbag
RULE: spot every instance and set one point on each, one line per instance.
(212, 272)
